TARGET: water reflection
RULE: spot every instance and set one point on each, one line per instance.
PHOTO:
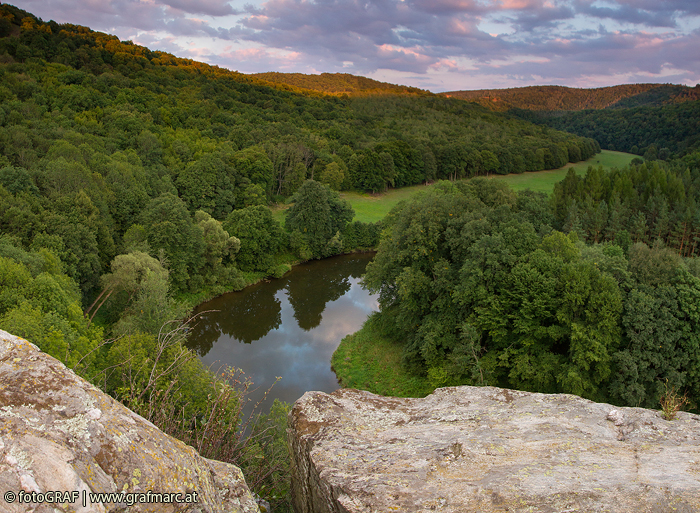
(246, 316)
(288, 327)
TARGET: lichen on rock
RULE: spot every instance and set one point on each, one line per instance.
(60, 433)
(484, 449)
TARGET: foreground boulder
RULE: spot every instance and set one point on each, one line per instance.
(469, 449)
(58, 433)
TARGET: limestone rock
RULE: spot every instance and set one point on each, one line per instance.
(59, 433)
(473, 449)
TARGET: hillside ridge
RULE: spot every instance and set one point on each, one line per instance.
(339, 83)
(556, 98)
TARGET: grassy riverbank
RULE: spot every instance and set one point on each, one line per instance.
(368, 360)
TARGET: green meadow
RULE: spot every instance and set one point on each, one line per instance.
(370, 208)
(543, 181)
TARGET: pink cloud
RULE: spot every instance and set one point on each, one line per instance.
(425, 41)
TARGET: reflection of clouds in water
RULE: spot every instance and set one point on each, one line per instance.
(301, 357)
(344, 316)
(361, 298)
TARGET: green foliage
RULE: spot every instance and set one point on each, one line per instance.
(371, 360)
(40, 303)
(319, 215)
(217, 244)
(658, 131)
(333, 176)
(95, 133)
(205, 184)
(279, 270)
(480, 292)
(254, 165)
(639, 203)
(16, 180)
(272, 461)
(359, 235)
(170, 230)
(672, 402)
(260, 235)
(151, 308)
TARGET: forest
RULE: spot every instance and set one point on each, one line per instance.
(656, 121)
(653, 131)
(483, 286)
(109, 148)
(551, 99)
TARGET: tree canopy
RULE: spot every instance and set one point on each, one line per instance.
(480, 291)
(319, 216)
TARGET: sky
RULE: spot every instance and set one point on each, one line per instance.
(439, 45)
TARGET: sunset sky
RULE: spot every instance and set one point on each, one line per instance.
(440, 45)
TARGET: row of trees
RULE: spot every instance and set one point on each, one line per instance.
(481, 289)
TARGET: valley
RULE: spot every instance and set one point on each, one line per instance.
(543, 239)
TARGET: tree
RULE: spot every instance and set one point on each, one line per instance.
(171, 231)
(197, 183)
(152, 308)
(332, 176)
(260, 235)
(17, 179)
(254, 164)
(128, 273)
(490, 162)
(318, 213)
(217, 244)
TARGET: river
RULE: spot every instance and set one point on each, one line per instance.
(288, 327)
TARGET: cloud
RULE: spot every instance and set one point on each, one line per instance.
(429, 42)
(208, 7)
(130, 16)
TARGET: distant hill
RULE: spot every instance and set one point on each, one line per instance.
(339, 83)
(558, 98)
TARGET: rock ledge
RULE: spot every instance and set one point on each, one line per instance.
(473, 449)
(60, 433)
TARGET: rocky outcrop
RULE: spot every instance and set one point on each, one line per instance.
(58, 433)
(469, 449)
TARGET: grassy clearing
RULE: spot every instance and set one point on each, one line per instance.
(370, 208)
(543, 181)
(369, 361)
(278, 211)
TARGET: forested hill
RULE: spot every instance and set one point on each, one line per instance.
(652, 120)
(560, 98)
(131, 136)
(339, 83)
